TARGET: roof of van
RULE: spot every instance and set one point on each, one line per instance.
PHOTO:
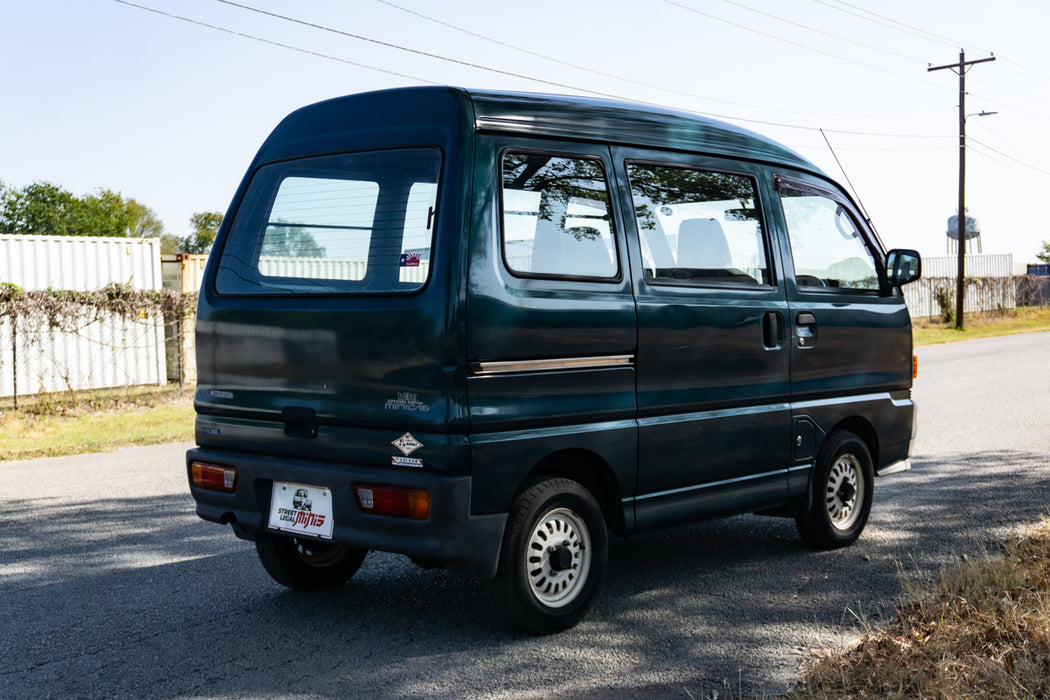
(625, 123)
(383, 116)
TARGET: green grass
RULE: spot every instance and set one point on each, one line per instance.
(63, 424)
(1029, 319)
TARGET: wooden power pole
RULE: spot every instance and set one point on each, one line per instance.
(960, 69)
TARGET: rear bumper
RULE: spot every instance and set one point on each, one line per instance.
(467, 544)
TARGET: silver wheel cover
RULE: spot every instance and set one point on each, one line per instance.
(845, 473)
(558, 528)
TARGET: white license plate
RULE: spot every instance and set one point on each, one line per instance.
(303, 509)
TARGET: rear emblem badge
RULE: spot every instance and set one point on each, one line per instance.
(407, 444)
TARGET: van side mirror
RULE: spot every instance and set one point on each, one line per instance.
(903, 266)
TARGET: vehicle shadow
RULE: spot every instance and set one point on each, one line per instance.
(723, 606)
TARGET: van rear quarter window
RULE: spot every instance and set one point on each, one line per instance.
(556, 217)
(344, 224)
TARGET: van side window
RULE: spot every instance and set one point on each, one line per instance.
(698, 225)
(827, 246)
(556, 217)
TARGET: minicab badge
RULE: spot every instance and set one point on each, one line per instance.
(407, 444)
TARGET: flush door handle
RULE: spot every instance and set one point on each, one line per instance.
(806, 329)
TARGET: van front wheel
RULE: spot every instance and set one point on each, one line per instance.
(553, 558)
(307, 564)
(842, 489)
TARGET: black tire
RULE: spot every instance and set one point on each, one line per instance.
(843, 481)
(307, 564)
(553, 558)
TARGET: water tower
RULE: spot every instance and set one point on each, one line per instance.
(972, 233)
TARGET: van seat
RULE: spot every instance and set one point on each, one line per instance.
(702, 245)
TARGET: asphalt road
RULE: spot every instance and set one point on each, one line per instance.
(111, 586)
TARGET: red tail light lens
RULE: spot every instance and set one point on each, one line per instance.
(396, 501)
(213, 477)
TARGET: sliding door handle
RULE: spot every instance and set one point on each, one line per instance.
(806, 329)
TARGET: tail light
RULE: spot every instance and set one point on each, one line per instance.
(213, 477)
(396, 501)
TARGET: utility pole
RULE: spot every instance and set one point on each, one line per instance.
(960, 69)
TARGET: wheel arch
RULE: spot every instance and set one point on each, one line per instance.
(863, 429)
(590, 471)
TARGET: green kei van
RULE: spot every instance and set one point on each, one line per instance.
(489, 330)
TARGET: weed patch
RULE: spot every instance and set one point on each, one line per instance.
(982, 631)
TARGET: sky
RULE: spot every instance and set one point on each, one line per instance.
(167, 105)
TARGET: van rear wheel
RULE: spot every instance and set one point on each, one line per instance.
(307, 564)
(553, 558)
(842, 485)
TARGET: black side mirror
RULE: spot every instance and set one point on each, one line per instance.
(903, 266)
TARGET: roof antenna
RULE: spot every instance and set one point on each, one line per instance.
(863, 209)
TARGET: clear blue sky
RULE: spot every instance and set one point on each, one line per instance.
(97, 93)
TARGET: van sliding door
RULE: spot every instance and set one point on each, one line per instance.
(712, 365)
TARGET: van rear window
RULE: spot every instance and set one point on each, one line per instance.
(344, 224)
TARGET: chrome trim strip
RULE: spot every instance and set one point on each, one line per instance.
(492, 367)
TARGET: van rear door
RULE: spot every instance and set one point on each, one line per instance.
(326, 317)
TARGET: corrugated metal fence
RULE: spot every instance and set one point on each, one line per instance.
(111, 351)
(989, 284)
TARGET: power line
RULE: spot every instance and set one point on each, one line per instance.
(972, 140)
(623, 79)
(539, 80)
(730, 118)
(802, 46)
(818, 31)
(888, 22)
(411, 50)
(243, 35)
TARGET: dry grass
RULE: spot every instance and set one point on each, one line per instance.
(982, 632)
(1027, 319)
(62, 424)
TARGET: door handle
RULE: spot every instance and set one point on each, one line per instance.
(806, 329)
(772, 336)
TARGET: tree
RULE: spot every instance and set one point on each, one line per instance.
(291, 241)
(1044, 254)
(145, 222)
(205, 227)
(105, 213)
(40, 208)
(45, 209)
